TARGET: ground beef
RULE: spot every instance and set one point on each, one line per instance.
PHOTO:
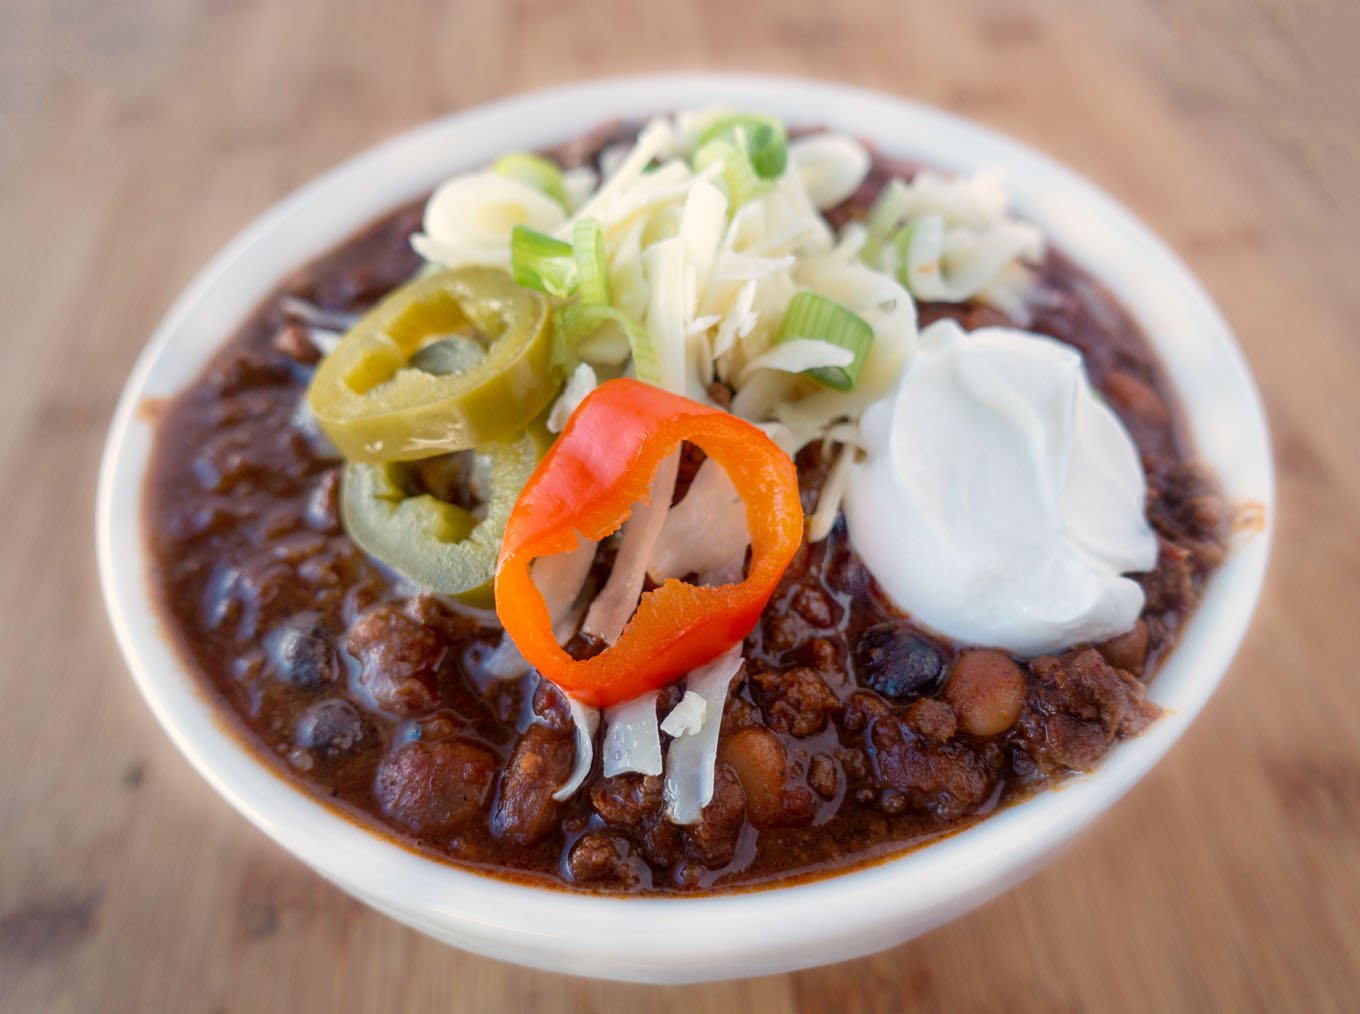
(713, 840)
(595, 857)
(799, 700)
(1076, 706)
(933, 720)
(400, 659)
(946, 780)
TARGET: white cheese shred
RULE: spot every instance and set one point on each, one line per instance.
(559, 579)
(831, 167)
(693, 755)
(327, 320)
(614, 605)
(469, 219)
(705, 531)
(587, 720)
(631, 740)
(829, 499)
(798, 355)
(963, 242)
(506, 662)
(323, 339)
(581, 382)
(687, 717)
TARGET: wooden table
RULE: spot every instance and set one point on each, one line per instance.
(136, 137)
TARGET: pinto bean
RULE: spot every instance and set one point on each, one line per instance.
(986, 690)
(758, 760)
(525, 811)
(432, 788)
(1127, 651)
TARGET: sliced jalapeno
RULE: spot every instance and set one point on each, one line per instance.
(390, 509)
(449, 361)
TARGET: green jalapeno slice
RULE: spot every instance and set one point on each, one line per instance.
(450, 361)
(408, 514)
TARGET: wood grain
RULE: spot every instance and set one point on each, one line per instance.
(136, 137)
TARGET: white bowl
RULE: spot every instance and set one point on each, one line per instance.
(672, 940)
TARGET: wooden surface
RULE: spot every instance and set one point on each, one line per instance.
(137, 137)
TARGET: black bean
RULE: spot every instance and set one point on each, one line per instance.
(897, 662)
(330, 727)
(304, 656)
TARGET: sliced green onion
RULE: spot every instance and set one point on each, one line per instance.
(604, 334)
(894, 201)
(592, 272)
(901, 244)
(812, 316)
(738, 176)
(535, 170)
(763, 139)
(564, 359)
(538, 261)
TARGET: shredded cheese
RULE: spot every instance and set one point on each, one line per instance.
(632, 741)
(581, 382)
(704, 531)
(687, 717)
(693, 754)
(587, 720)
(614, 605)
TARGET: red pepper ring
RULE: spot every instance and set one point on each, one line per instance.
(602, 464)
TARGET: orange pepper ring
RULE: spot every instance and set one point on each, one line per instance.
(589, 481)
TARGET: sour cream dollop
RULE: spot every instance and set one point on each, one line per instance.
(1001, 501)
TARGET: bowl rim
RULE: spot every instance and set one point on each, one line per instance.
(707, 937)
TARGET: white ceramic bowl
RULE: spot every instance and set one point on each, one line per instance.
(686, 940)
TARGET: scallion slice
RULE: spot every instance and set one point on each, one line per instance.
(592, 271)
(538, 261)
(901, 244)
(738, 176)
(595, 333)
(535, 170)
(812, 316)
(885, 216)
(763, 139)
